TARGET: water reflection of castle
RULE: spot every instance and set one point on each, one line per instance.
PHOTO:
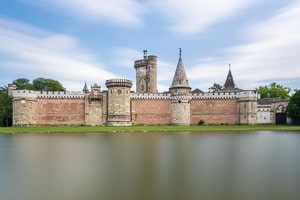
(118, 106)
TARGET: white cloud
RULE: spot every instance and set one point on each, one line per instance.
(126, 56)
(190, 17)
(122, 12)
(271, 53)
(36, 52)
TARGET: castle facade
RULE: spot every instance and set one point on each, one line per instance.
(119, 106)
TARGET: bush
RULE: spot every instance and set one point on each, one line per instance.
(201, 122)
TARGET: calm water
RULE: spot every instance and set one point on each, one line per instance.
(137, 166)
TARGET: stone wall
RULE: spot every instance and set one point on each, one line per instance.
(263, 114)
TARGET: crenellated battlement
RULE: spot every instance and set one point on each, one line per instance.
(225, 95)
(118, 83)
(215, 95)
(48, 94)
(144, 62)
(155, 96)
(139, 63)
(247, 94)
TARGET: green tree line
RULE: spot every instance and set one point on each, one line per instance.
(39, 84)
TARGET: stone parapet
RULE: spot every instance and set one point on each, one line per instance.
(47, 94)
(226, 95)
(143, 62)
(215, 95)
(118, 83)
(249, 94)
(155, 96)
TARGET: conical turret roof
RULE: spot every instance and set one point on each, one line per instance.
(180, 79)
(85, 88)
(229, 83)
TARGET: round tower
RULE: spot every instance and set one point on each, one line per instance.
(118, 102)
(24, 108)
(180, 96)
(146, 74)
(247, 107)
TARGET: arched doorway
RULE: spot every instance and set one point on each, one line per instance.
(280, 115)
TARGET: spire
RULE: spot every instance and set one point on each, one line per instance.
(85, 88)
(229, 83)
(180, 79)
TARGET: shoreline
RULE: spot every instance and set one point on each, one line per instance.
(114, 129)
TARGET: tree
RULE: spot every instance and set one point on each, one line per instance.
(216, 87)
(23, 84)
(5, 107)
(293, 108)
(43, 84)
(274, 90)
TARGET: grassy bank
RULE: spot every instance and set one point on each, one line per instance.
(101, 129)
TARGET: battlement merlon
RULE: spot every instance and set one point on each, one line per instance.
(155, 96)
(46, 94)
(247, 94)
(145, 61)
(244, 94)
(118, 83)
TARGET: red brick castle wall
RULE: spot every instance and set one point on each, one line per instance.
(60, 111)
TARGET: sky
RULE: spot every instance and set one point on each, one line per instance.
(78, 41)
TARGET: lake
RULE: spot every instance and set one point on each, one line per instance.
(141, 166)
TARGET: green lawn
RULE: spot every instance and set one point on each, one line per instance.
(101, 129)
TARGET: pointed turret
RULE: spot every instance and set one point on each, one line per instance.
(180, 96)
(180, 79)
(229, 83)
(85, 88)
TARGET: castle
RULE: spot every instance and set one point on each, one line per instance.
(119, 106)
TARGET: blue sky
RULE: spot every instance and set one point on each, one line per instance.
(78, 41)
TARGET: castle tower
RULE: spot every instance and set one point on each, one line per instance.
(180, 96)
(93, 102)
(146, 74)
(246, 101)
(24, 108)
(247, 107)
(118, 102)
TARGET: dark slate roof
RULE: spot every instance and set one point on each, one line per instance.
(180, 79)
(85, 88)
(266, 101)
(95, 85)
(197, 91)
(229, 83)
